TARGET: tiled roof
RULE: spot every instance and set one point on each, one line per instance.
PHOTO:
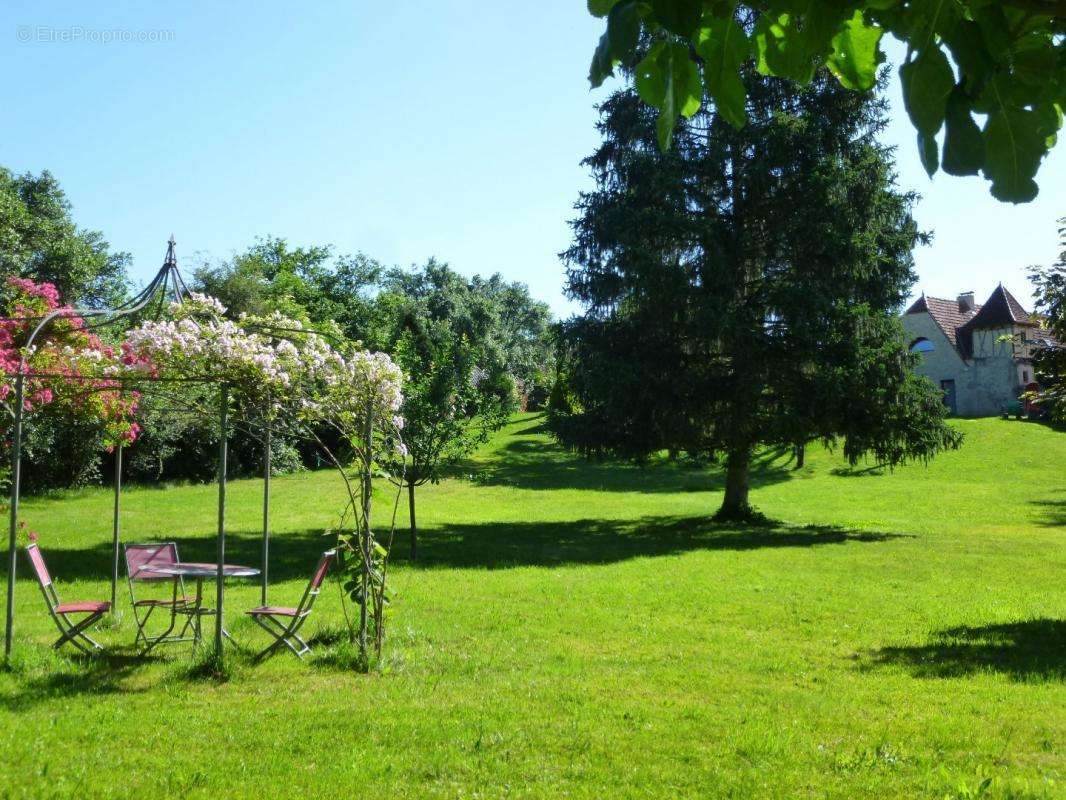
(947, 314)
(1000, 309)
(958, 322)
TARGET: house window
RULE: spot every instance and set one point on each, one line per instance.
(921, 345)
(1025, 376)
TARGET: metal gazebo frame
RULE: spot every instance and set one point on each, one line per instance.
(167, 279)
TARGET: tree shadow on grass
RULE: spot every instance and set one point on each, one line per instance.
(599, 541)
(543, 464)
(1028, 650)
(490, 545)
(1054, 513)
(874, 471)
(74, 676)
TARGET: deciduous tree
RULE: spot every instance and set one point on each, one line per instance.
(1050, 361)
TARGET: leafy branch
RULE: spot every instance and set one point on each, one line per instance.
(1004, 61)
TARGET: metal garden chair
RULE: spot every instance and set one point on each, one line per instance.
(283, 622)
(73, 632)
(140, 558)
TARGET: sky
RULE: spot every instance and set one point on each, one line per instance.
(403, 130)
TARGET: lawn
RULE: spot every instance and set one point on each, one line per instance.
(575, 629)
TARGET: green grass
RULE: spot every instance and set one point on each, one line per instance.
(583, 630)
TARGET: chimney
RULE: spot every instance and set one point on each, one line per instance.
(966, 302)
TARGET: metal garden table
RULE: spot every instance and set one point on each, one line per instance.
(200, 572)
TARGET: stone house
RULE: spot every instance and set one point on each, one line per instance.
(979, 355)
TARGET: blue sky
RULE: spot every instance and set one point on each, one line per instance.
(403, 129)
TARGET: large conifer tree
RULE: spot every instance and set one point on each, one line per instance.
(742, 289)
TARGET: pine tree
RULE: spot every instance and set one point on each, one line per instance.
(741, 289)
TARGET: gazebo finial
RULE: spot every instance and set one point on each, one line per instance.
(172, 259)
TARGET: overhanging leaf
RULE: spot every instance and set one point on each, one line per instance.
(623, 28)
(923, 20)
(601, 8)
(927, 81)
(602, 66)
(724, 47)
(781, 49)
(927, 151)
(964, 146)
(969, 51)
(1050, 122)
(649, 78)
(1015, 142)
(856, 53)
(669, 80)
(678, 16)
(820, 23)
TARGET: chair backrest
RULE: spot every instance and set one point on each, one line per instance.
(319, 575)
(40, 569)
(44, 577)
(139, 556)
(324, 563)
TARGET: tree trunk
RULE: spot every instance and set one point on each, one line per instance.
(801, 453)
(735, 503)
(414, 526)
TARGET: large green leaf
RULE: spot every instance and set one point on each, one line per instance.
(781, 49)
(924, 20)
(601, 8)
(602, 65)
(623, 28)
(964, 146)
(927, 81)
(1015, 141)
(969, 51)
(618, 41)
(1033, 62)
(995, 28)
(1050, 122)
(724, 47)
(678, 16)
(820, 22)
(669, 80)
(856, 53)
(927, 151)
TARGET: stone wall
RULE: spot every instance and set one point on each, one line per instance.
(984, 386)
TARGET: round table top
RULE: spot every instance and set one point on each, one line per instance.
(195, 570)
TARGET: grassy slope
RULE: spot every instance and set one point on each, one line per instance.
(582, 630)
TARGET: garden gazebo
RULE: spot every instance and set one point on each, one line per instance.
(168, 282)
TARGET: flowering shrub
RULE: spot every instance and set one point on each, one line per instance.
(273, 356)
(67, 367)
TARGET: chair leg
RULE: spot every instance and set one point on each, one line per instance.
(75, 633)
(64, 639)
(282, 635)
(185, 628)
(142, 623)
(91, 640)
(269, 650)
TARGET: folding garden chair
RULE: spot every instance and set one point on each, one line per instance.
(73, 632)
(140, 558)
(284, 623)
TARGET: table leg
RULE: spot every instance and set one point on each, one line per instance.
(198, 605)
